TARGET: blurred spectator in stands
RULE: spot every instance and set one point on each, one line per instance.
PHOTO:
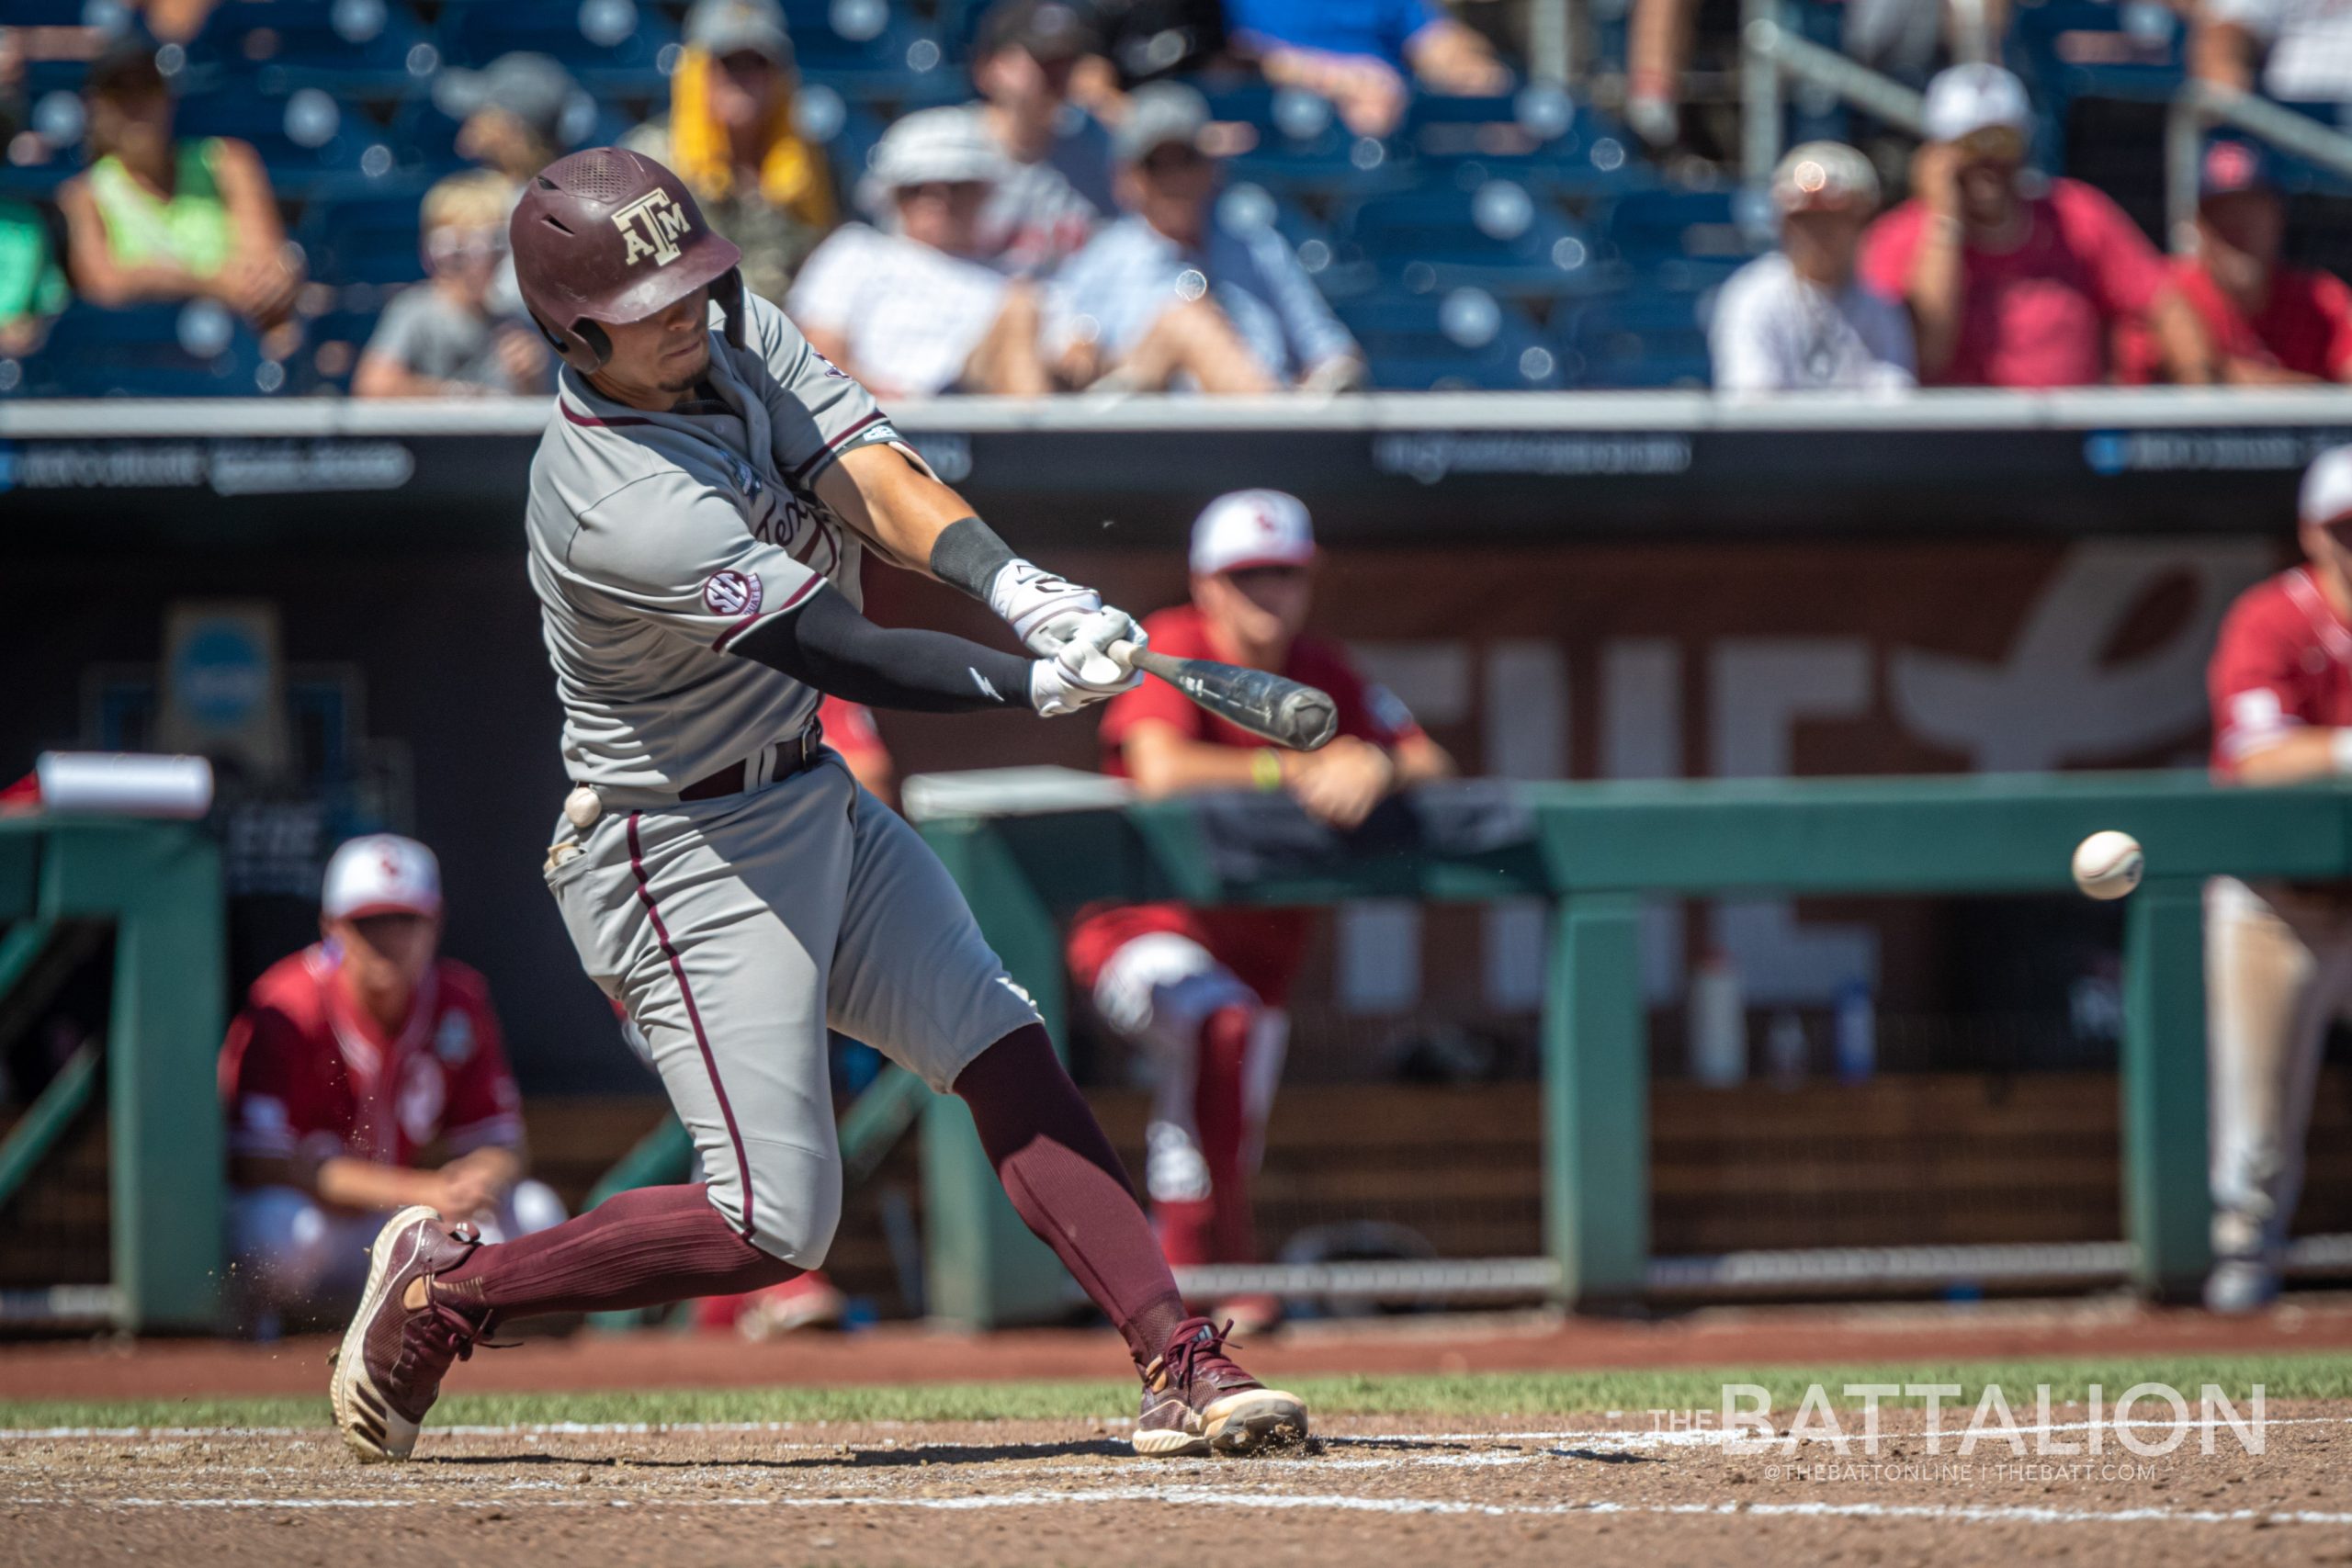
(907, 307)
(1365, 56)
(154, 217)
(1053, 186)
(2277, 956)
(1796, 319)
(352, 1059)
(2303, 47)
(15, 111)
(173, 21)
(516, 115)
(1169, 295)
(1203, 992)
(732, 135)
(440, 338)
(1144, 40)
(32, 288)
(849, 729)
(2012, 290)
(2271, 323)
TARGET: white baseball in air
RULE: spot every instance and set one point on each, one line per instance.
(2108, 865)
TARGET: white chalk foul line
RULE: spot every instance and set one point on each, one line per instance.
(1196, 1496)
(1700, 1437)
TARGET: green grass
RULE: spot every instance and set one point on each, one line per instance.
(1529, 1394)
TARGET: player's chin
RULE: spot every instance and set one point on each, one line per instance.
(681, 375)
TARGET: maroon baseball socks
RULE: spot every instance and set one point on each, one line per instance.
(1068, 1185)
(634, 1249)
(667, 1244)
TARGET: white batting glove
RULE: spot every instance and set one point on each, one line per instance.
(1042, 609)
(1084, 671)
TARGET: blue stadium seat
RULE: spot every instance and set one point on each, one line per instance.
(302, 138)
(611, 46)
(331, 348)
(152, 350)
(1651, 231)
(1539, 136)
(1497, 236)
(1646, 337)
(368, 48)
(1465, 340)
(1303, 150)
(365, 238)
(874, 51)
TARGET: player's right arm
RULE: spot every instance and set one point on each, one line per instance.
(673, 550)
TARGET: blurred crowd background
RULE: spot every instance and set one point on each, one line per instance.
(308, 196)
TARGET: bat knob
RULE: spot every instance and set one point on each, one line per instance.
(1308, 719)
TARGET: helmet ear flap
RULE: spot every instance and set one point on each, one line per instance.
(728, 290)
(595, 345)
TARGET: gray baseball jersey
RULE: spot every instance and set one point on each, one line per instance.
(733, 929)
(658, 539)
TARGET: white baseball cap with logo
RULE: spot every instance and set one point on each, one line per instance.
(1251, 528)
(1965, 99)
(382, 874)
(2327, 488)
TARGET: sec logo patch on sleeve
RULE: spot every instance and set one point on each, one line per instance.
(732, 593)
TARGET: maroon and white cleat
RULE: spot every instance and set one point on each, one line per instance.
(389, 1371)
(1196, 1401)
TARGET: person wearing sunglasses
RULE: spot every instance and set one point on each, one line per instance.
(1171, 295)
(444, 338)
(2013, 279)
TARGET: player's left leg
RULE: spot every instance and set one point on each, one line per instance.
(913, 977)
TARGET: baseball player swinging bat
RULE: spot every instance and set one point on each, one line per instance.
(1288, 713)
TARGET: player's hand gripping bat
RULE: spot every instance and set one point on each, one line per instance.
(1287, 713)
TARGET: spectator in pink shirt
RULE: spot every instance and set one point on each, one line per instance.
(2007, 288)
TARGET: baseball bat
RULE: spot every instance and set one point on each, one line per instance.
(1288, 713)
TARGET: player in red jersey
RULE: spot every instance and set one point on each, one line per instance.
(1204, 992)
(351, 1059)
(2277, 957)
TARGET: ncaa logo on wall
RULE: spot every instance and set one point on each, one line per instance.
(651, 225)
(731, 594)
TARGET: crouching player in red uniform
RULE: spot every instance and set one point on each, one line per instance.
(350, 1060)
(1204, 992)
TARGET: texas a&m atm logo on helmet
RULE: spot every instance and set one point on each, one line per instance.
(650, 226)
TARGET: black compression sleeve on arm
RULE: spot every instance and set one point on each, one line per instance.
(828, 645)
(969, 555)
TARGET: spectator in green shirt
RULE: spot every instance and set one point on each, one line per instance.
(32, 289)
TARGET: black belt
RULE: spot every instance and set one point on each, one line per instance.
(795, 756)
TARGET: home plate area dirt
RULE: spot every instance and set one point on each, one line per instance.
(1605, 1487)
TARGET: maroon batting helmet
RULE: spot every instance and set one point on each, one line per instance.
(606, 236)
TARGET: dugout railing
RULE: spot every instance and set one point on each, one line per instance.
(153, 890)
(1596, 851)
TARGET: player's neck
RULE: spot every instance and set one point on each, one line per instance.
(2336, 588)
(1229, 649)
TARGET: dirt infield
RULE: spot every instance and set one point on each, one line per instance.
(105, 1369)
(1597, 1486)
(1605, 1485)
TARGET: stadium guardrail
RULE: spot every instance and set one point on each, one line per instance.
(1596, 851)
(157, 885)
